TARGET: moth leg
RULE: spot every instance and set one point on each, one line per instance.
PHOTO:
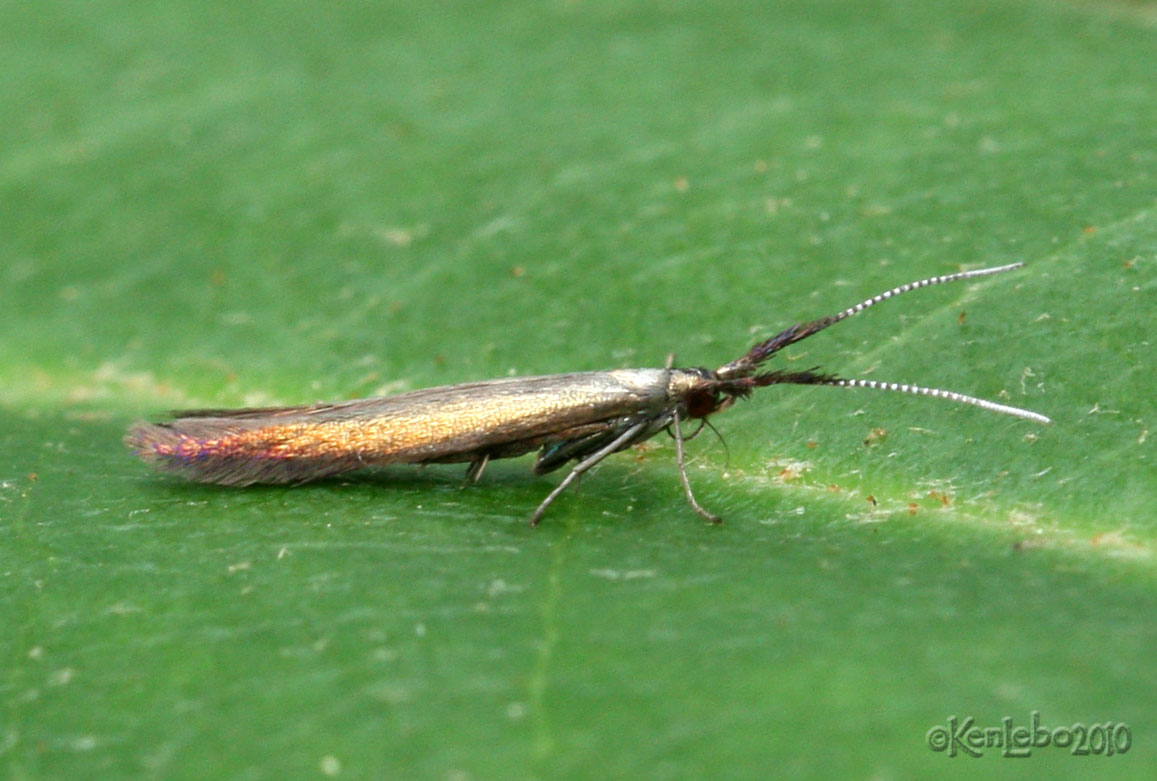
(474, 471)
(588, 462)
(689, 437)
(698, 508)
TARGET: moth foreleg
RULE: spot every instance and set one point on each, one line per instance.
(679, 461)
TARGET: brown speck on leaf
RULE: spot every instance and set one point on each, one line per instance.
(872, 500)
(1090, 229)
(961, 317)
(875, 436)
(912, 508)
(641, 449)
(517, 271)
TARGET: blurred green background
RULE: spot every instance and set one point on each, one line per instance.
(215, 204)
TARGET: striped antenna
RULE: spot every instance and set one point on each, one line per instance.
(940, 280)
(746, 365)
(815, 377)
(937, 393)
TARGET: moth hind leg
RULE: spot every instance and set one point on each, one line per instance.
(477, 467)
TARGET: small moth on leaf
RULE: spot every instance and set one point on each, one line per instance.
(581, 418)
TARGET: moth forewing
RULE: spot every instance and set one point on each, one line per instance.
(468, 422)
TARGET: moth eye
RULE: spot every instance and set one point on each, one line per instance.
(701, 404)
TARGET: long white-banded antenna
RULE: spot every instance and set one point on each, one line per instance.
(937, 393)
(749, 363)
(940, 280)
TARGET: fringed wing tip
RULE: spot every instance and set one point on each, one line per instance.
(204, 450)
(150, 440)
(168, 448)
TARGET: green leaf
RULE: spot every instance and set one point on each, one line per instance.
(210, 204)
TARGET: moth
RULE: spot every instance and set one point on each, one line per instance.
(580, 417)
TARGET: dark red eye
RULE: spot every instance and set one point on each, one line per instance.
(701, 404)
